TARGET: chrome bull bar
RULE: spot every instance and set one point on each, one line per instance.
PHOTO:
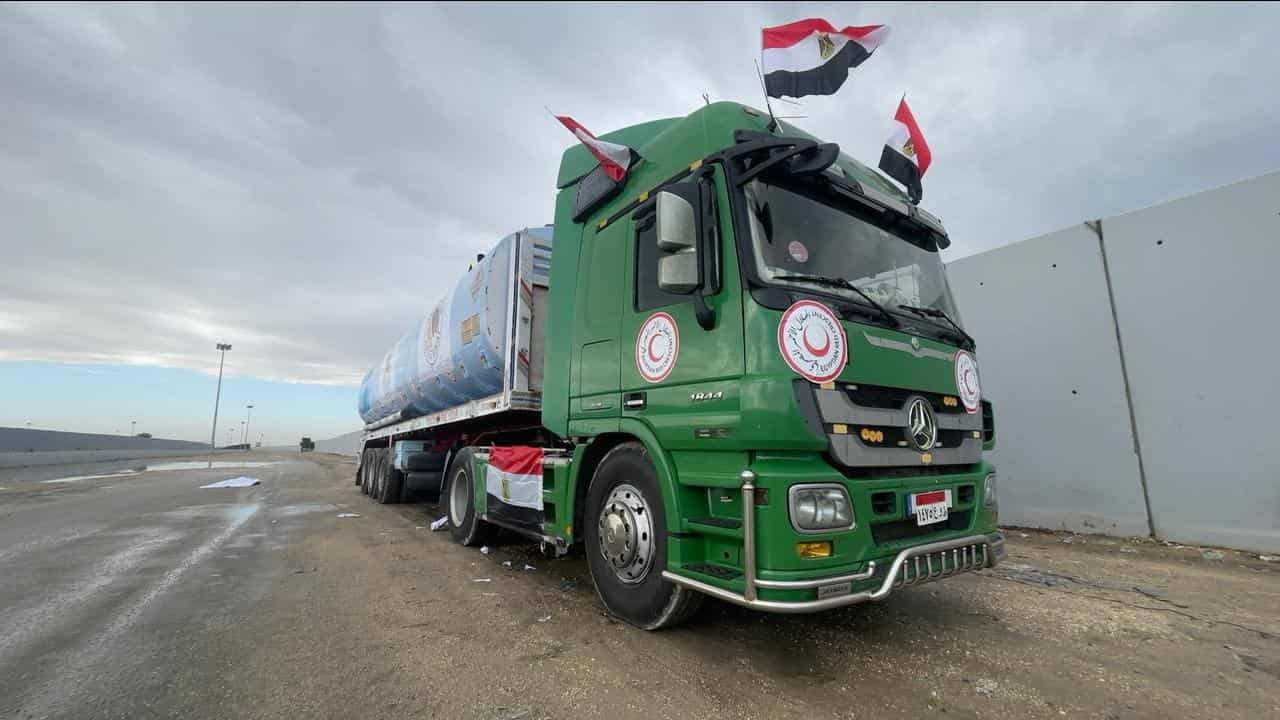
(912, 566)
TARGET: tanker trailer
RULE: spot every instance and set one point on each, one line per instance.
(473, 353)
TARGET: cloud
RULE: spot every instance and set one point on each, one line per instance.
(303, 181)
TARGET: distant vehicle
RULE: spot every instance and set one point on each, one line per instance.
(145, 435)
(306, 445)
(736, 371)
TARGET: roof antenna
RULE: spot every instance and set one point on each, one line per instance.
(773, 121)
(706, 98)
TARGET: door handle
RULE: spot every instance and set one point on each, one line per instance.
(633, 401)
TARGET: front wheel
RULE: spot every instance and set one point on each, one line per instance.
(626, 533)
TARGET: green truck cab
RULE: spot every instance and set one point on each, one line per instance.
(755, 384)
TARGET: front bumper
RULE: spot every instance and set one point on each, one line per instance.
(911, 566)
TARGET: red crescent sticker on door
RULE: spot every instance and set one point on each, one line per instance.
(812, 341)
(657, 347)
(967, 385)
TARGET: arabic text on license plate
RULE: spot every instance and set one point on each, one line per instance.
(931, 513)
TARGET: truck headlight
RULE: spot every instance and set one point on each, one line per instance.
(820, 508)
(990, 494)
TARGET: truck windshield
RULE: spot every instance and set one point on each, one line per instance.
(794, 235)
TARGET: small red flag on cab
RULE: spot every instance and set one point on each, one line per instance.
(906, 155)
(614, 158)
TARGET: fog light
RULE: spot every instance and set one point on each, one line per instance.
(814, 549)
(819, 508)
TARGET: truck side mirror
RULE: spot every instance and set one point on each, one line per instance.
(679, 269)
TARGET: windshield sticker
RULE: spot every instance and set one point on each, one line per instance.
(812, 341)
(798, 251)
(967, 386)
(657, 347)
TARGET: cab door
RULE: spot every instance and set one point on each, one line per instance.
(680, 373)
(597, 313)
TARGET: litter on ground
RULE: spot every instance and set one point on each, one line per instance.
(440, 522)
(348, 515)
(235, 482)
(484, 550)
(481, 580)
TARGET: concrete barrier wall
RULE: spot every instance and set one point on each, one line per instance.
(1160, 320)
(1195, 288)
(31, 440)
(66, 457)
(1047, 354)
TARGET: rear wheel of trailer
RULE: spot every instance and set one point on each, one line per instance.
(366, 471)
(626, 531)
(390, 482)
(459, 501)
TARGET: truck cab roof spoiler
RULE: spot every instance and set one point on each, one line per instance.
(782, 149)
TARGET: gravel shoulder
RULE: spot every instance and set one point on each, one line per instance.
(376, 616)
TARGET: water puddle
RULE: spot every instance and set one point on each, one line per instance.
(164, 467)
(203, 465)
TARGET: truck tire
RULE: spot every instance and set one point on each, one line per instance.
(460, 506)
(626, 532)
(390, 483)
(366, 471)
(375, 477)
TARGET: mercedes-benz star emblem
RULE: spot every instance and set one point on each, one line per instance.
(922, 427)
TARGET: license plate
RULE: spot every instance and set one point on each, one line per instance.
(931, 507)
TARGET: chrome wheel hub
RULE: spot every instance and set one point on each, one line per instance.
(626, 534)
(459, 498)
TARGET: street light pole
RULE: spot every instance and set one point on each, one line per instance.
(247, 414)
(133, 425)
(213, 434)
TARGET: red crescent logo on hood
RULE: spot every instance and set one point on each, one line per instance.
(817, 351)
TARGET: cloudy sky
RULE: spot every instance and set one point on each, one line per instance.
(303, 180)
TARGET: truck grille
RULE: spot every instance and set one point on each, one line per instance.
(887, 532)
(844, 412)
(888, 398)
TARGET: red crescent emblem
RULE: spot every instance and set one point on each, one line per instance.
(817, 351)
(649, 349)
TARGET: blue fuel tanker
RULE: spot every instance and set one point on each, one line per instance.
(460, 353)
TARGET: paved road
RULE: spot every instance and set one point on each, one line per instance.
(143, 596)
(115, 589)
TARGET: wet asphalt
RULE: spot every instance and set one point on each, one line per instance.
(116, 589)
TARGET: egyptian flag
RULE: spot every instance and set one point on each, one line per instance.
(614, 158)
(906, 155)
(810, 57)
(513, 486)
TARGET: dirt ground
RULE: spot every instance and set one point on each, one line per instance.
(379, 617)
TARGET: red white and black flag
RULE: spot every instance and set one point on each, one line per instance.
(811, 57)
(614, 158)
(906, 155)
(513, 485)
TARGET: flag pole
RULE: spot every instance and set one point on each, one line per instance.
(764, 88)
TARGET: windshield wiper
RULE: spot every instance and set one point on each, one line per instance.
(935, 313)
(842, 283)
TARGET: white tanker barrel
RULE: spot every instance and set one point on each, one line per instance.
(457, 353)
